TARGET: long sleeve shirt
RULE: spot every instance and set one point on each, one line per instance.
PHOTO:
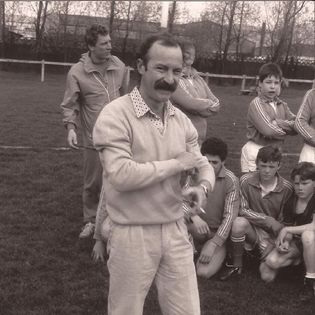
(194, 97)
(261, 126)
(305, 118)
(141, 173)
(223, 205)
(257, 209)
(88, 91)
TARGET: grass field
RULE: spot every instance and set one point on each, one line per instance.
(45, 268)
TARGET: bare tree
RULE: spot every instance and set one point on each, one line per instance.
(171, 16)
(41, 16)
(280, 26)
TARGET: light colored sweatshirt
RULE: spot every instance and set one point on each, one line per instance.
(194, 97)
(88, 91)
(305, 118)
(260, 118)
(141, 174)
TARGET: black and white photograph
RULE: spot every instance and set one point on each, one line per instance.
(157, 157)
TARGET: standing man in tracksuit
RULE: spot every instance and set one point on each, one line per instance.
(97, 79)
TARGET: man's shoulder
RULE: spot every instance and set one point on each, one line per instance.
(249, 178)
(77, 67)
(118, 105)
(285, 183)
(117, 62)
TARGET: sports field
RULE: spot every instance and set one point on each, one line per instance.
(45, 269)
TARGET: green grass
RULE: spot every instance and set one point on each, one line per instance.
(45, 268)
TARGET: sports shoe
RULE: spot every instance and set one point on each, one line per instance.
(230, 271)
(308, 294)
(87, 230)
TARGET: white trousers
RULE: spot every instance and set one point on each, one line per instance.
(307, 153)
(139, 254)
(248, 156)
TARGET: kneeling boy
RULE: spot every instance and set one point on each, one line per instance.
(211, 229)
(263, 195)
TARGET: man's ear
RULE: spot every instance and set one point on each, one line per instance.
(140, 66)
(91, 48)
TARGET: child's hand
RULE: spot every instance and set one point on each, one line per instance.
(98, 251)
(200, 225)
(283, 247)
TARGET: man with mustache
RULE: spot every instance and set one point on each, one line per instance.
(145, 144)
(93, 82)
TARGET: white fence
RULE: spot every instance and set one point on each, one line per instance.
(206, 75)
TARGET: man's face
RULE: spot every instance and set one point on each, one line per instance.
(189, 56)
(159, 78)
(101, 50)
(304, 188)
(270, 87)
(267, 170)
(216, 163)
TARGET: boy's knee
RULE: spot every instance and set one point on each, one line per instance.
(239, 226)
(308, 238)
(267, 274)
(203, 272)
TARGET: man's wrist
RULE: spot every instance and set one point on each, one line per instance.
(205, 189)
(71, 126)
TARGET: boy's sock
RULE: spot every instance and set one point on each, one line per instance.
(238, 250)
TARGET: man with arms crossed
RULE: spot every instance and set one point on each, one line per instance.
(145, 144)
(93, 82)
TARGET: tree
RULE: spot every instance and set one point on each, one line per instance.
(280, 26)
(2, 27)
(171, 16)
(41, 16)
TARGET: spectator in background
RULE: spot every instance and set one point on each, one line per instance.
(211, 229)
(193, 96)
(269, 119)
(145, 144)
(93, 82)
(305, 126)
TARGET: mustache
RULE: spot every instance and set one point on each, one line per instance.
(162, 85)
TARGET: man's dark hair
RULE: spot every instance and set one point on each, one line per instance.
(268, 70)
(306, 170)
(215, 146)
(92, 33)
(165, 39)
(269, 153)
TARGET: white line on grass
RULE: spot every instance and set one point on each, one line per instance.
(20, 147)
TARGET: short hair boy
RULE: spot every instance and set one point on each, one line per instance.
(211, 229)
(269, 119)
(297, 238)
(263, 195)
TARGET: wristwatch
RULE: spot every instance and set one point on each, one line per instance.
(205, 189)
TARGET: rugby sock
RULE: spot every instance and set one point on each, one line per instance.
(238, 250)
(310, 275)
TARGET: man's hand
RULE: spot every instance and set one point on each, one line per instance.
(187, 160)
(200, 225)
(72, 139)
(281, 237)
(98, 252)
(195, 193)
(274, 225)
(207, 252)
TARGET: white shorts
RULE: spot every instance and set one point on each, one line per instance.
(248, 156)
(307, 154)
